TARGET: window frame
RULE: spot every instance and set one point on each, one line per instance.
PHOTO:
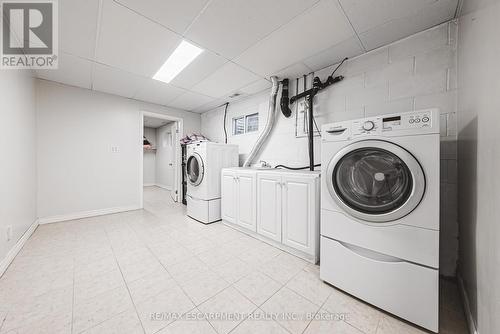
(245, 119)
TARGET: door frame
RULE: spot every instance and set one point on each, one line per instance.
(177, 184)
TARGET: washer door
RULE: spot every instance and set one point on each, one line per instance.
(375, 181)
(195, 169)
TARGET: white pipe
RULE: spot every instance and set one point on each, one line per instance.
(271, 116)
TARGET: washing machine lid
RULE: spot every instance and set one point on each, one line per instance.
(195, 169)
(375, 181)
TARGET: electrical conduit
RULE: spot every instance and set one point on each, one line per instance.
(271, 116)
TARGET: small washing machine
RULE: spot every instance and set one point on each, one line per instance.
(204, 163)
(380, 212)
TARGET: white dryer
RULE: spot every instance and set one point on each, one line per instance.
(204, 163)
(380, 212)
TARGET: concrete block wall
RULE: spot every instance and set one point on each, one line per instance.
(414, 73)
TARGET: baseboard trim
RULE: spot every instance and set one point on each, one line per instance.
(163, 186)
(11, 255)
(85, 214)
(157, 185)
(465, 302)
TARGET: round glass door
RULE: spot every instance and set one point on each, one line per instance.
(194, 169)
(376, 181)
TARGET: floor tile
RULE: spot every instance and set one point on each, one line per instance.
(150, 285)
(191, 323)
(309, 285)
(257, 287)
(233, 270)
(258, 323)
(232, 306)
(94, 253)
(124, 323)
(283, 267)
(157, 312)
(85, 288)
(391, 325)
(90, 312)
(204, 286)
(187, 269)
(215, 257)
(358, 314)
(136, 270)
(323, 323)
(286, 302)
(47, 313)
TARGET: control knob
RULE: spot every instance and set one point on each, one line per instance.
(368, 126)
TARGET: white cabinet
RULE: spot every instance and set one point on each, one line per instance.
(269, 190)
(228, 193)
(282, 207)
(239, 195)
(300, 218)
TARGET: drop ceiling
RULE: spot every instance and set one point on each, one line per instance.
(116, 46)
(151, 122)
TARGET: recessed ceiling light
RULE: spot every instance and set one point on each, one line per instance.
(178, 60)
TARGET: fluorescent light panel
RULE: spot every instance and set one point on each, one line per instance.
(182, 56)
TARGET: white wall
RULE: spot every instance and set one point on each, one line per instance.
(479, 162)
(165, 156)
(414, 73)
(149, 164)
(77, 129)
(18, 156)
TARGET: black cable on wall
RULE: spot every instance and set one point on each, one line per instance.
(225, 116)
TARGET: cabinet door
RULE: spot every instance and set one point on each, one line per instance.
(299, 214)
(246, 198)
(269, 205)
(228, 196)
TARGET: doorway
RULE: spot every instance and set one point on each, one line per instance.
(160, 162)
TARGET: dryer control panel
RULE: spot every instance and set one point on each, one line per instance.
(402, 124)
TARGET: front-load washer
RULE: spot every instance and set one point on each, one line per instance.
(380, 212)
(204, 163)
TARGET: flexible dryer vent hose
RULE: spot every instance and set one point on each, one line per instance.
(271, 116)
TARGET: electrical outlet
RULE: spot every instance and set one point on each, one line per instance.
(9, 233)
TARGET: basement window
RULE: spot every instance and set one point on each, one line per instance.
(239, 125)
(252, 122)
(245, 124)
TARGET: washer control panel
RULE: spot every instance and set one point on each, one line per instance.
(410, 122)
(402, 124)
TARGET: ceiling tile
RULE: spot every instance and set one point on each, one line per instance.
(209, 106)
(226, 79)
(78, 27)
(72, 70)
(174, 14)
(190, 101)
(256, 87)
(158, 92)
(440, 11)
(348, 48)
(320, 27)
(204, 65)
(131, 42)
(229, 27)
(368, 14)
(152, 122)
(114, 81)
(294, 71)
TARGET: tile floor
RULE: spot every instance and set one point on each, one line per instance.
(157, 271)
